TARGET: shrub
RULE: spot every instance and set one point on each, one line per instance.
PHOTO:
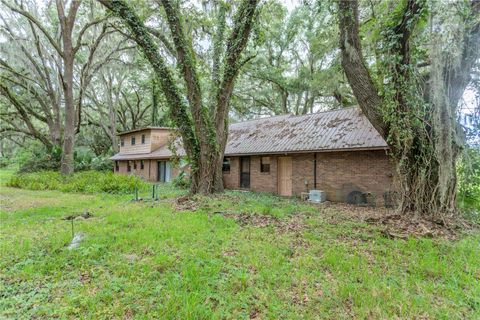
(4, 162)
(182, 180)
(101, 163)
(85, 159)
(469, 182)
(86, 182)
(40, 159)
(35, 158)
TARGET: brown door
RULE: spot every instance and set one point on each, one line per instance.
(285, 176)
(245, 172)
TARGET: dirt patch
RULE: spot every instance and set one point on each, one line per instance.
(186, 203)
(395, 225)
(79, 216)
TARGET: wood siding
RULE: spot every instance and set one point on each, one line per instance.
(154, 139)
(139, 147)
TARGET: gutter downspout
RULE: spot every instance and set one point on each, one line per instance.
(315, 171)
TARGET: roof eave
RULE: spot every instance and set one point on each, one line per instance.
(143, 129)
(307, 151)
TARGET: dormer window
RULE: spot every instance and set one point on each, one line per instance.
(143, 139)
(122, 142)
(133, 140)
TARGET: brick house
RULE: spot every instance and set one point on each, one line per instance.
(336, 151)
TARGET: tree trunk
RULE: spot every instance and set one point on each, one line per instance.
(68, 55)
(425, 151)
(69, 127)
(204, 130)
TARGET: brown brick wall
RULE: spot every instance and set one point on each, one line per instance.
(231, 180)
(149, 171)
(263, 181)
(338, 173)
(342, 172)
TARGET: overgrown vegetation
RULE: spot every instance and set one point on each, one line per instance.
(425, 54)
(86, 182)
(469, 182)
(238, 255)
(35, 157)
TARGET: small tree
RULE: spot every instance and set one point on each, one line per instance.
(203, 124)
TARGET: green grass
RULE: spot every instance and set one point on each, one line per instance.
(195, 261)
(6, 174)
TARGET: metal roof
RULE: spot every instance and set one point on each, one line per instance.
(344, 129)
(341, 129)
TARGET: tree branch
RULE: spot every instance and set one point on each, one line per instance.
(354, 66)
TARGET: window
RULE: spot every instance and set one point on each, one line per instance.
(122, 142)
(226, 165)
(134, 165)
(142, 165)
(164, 173)
(129, 168)
(265, 164)
(143, 139)
(133, 140)
(116, 166)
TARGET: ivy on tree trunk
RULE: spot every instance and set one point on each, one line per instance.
(204, 129)
(421, 129)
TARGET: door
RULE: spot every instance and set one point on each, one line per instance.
(285, 176)
(164, 171)
(245, 172)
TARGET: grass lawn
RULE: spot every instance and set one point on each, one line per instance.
(234, 256)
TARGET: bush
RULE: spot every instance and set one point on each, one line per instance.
(101, 163)
(4, 162)
(469, 182)
(86, 182)
(85, 159)
(39, 159)
(182, 181)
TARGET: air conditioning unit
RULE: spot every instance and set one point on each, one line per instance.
(317, 196)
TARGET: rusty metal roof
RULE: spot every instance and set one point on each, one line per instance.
(342, 129)
(335, 130)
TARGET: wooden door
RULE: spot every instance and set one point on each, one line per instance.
(285, 176)
(245, 172)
